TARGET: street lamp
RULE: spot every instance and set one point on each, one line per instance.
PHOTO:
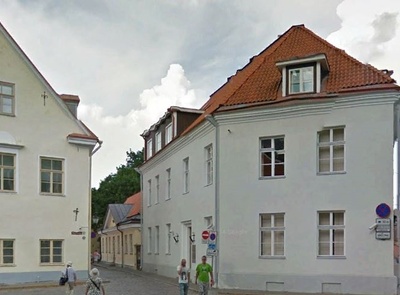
(95, 219)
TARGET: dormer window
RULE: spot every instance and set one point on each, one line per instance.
(168, 133)
(301, 80)
(158, 141)
(149, 148)
(303, 75)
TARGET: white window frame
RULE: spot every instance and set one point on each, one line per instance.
(157, 240)
(186, 175)
(168, 133)
(157, 189)
(52, 173)
(272, 229)
(168, 186)
(149, 193)
(125, 244)
(3, 255)
(118, 245)
(273, 152)
(331, 227)
(331, 144)
(4, 96)
(3, 167)
(208, 151)
(301, 79)
(51, 254)
(149, 240)
(149, 148)
(158, 141)
(131, 244)
(168, 238)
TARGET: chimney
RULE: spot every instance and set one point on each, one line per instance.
(72, 102)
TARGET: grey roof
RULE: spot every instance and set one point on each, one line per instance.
(119, 211)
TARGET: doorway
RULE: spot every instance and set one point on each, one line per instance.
(187, 249)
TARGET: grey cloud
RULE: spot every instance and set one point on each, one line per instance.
(384, 27)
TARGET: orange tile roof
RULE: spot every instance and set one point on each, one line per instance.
(260, 80)
(70, 97)
(136, 201)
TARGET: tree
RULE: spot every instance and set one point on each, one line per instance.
(116, 187)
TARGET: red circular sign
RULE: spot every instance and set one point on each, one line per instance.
(205, 235)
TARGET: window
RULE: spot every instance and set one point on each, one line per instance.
(301, 80)
(168, 134)
(186, 175)
(125, 244)
(51, 251)
(149, 240)
(149, 148)
(7, 252)
(331, 150)
(272, 234)
(331, 233)
(7, 99)
(113, 245)
(7, 172)
(157, 189)
(208, 222)
(149, 193)
(131, 244)
(168, 193)
(158, 141)
(118, 245)
(51, 176)
(272, 154)
(157, 242)
(209, 164)
(168, 239)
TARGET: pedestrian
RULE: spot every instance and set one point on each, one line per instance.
(71, 275)
(204, 272)
(184, 277)
(94, 285)
(96, 256)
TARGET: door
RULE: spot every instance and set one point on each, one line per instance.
(138, 257)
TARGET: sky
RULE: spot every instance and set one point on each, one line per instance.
(129, 60)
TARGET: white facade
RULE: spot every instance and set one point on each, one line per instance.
(38, 212)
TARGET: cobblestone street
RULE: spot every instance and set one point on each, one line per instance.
(117, 283)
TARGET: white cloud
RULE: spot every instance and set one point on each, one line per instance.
(120, 133)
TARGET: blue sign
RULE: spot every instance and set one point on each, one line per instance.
(383, 210)
(211, 246)
(213, 236)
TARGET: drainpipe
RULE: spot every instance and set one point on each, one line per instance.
(212, 120)
(141, 220)
(122, 246)
(397, 126)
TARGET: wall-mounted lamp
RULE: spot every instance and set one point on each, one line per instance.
(175, 236)
(192, 237)
(95, 219)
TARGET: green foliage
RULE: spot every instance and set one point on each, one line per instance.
(116, 187)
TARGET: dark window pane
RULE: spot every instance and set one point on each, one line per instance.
(8, 260)
(8, 244)
(279, 157)
(45, 243)
(8, 252)
(279, 169)
(45, 187)
(8, 160)
(8, 185)
(46, 164)
(266, 170)
(45, 251)
(57, 165)
(57, 244)
(266, 158)
(44, 259)
(57, 259)
(265, 143)
(57, 177)
(45, 176)
(279, 144)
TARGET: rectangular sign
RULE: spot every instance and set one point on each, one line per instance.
(211, 252)
(382, 236)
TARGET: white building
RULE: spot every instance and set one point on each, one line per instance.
(45, 170)
(288, 162)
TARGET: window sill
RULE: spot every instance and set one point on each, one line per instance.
(148, 253)
(185, 193)
(8, 265)
(271, 177)
(169, 254)
(168, 199)
(7, 114)
(331, 173)
(331, 257)
(52, 195)
(208, 184)
(271, 257)
(156, 253)
(9, 192)
(52, 264)
(156, 203)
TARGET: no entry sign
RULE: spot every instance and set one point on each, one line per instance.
(205, 235)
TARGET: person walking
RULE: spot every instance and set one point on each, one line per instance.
(94, 285)
(184, 277)
(71, 275)
(204, 272)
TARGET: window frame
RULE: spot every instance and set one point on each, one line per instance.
(149, 150)
(51, 254)
(272, 229)
(209, 164)
(168, 133)
(2, 256)
(3, 167)
(273, 152)
(149, 240)
(7, 96)
(186, 176)
(149, 193)
(52, 172)
(168, 239)
(331, 227)
(157, 178)
(301, 68)
(130, 244)
(157, 240)
(168, 186)
(331, 144)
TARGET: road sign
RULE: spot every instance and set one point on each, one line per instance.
(213, 237)
(211, 246)
(205, 235)
(382, 236)
(211, 252)
(382, 210)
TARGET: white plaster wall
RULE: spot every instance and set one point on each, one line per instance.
(193, 206)
(368, 181)
(28, 216)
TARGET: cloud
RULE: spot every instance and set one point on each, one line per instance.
(120, 133)
(369, 32)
